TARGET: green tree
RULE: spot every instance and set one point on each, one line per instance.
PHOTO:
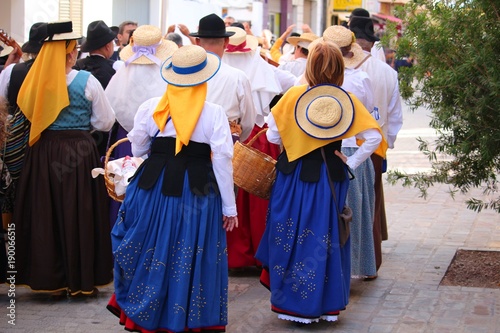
(456, 47)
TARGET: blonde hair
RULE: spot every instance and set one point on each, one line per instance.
(325, 64)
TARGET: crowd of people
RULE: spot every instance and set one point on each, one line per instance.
(329, 107)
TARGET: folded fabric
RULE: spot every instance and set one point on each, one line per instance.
(120, 171)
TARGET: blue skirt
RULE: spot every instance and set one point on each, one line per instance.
(309, 273)
(361, 199)
(170, 253)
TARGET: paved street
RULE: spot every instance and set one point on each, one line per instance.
(405, 298)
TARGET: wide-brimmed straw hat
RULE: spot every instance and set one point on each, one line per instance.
(211, 26)
(303, 40)
(344, 37)
(147, 46)
(324, 111)
(189, 66)
(61, 31)
(98, 35)
(240, 41)
(5, 49)
(38, 33)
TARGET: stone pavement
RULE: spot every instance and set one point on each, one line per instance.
(405, 298)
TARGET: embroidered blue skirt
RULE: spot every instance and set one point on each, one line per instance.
(170, 253)
(309, 274)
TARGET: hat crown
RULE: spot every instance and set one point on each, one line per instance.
(339, 35)
(239, 36)
(96, 29)
(360, 12)
(38, 32)
(146, 35)
(324, 111)
(189, 56)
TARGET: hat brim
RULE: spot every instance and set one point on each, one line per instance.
(31, 47)
(189, 80)
(251, 43)
(163, 51)
(324, 90)
(6, 50)
(212, 34)
(63, 36)
(358, 56)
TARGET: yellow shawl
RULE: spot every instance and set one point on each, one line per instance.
(297, 143)
(44, 92)
(184, 106)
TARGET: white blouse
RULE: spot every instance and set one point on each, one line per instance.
(212, 128)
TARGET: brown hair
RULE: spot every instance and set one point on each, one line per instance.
(325, 64)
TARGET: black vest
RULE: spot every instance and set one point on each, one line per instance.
(100, 67)
(19, 72)
(195, 158)
(311, 164)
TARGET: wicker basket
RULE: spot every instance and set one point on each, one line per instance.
(253, 170)
(108, 177)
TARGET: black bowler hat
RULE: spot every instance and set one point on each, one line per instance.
(211, 26)
(98, 35)
(363, 28)
(38, 33)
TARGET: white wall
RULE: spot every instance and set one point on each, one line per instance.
(94, 10)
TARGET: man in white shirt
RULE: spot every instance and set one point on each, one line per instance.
(301, 43)
(387, 112)
(230, 87)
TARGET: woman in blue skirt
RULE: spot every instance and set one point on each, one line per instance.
(306, 266)
(169, 240)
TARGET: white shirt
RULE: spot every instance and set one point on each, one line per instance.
(378, 52)
(371, 136)
(5, 80)
(358, 83)
(231, 89)
(265, 79)
(297, 67)
(212, 128)
(130, 86)
(387, 98)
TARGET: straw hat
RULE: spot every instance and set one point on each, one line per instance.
(240, 41)
(61, 31)
(303, 40)
(324, 111)
(189, 66)
(5, 49)
(344, 37)
(147, 46)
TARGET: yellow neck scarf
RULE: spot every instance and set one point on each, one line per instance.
(44, 92)
(297, 143)
(184, 106)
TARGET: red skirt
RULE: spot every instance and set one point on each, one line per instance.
(242, 242)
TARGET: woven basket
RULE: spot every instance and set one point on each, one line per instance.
(108, 177)
(253, 170)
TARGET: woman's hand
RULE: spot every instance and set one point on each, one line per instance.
(230, 222)
(342, 156)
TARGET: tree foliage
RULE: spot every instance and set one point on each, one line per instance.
(456, 46)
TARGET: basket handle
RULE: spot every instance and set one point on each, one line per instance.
(110, 150)
(256, 136)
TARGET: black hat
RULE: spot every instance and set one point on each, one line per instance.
(58, 31)
(211, 26)
(363, 28)
(98, 35)
(38, 33)
(359, 12)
